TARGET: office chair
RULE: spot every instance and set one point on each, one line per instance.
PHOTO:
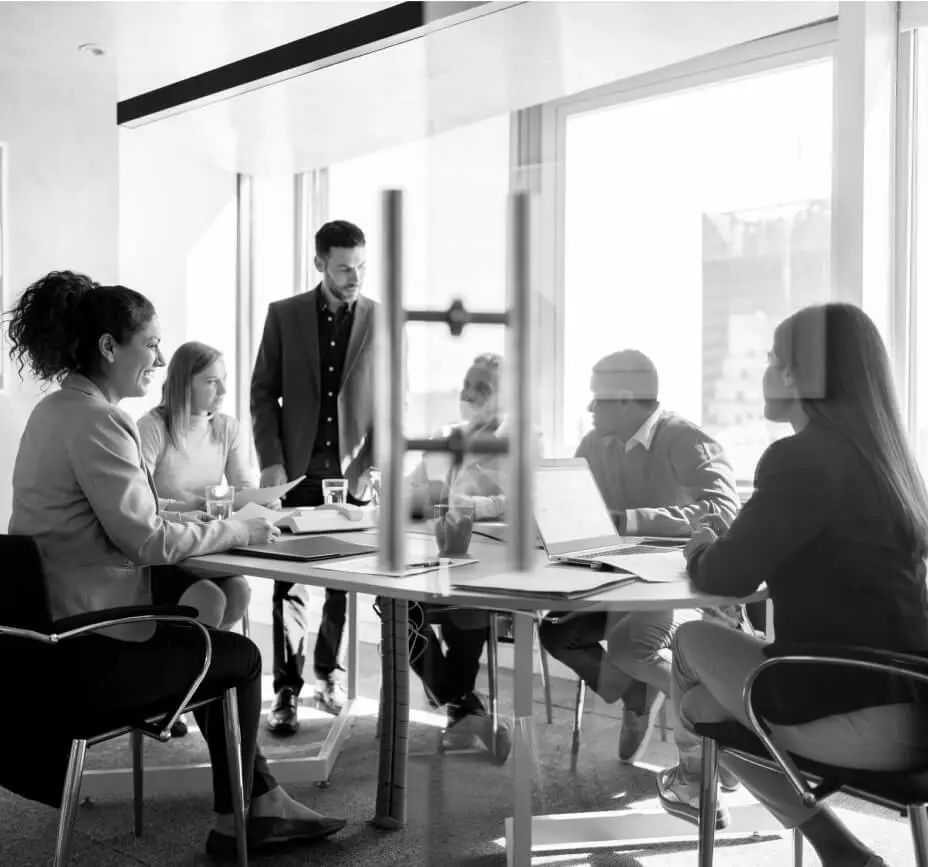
(25, 619)
(906, 793)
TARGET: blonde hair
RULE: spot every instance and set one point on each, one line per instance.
(842, 373)
(188, 360)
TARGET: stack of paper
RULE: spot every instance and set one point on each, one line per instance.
(323, 519)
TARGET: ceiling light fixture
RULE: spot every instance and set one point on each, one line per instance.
(92, 48)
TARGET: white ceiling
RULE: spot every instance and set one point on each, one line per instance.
(525, 54)
(151, 43)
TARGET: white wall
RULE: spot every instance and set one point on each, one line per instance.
(58, 119)
(177, 244)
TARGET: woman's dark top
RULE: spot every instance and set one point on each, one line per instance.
(820, 533)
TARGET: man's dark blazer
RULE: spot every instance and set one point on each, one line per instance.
(285, 390)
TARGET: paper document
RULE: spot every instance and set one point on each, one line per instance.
(658, 568)
(253, 510)
(323, 519)
(263, 496)
(371, 566)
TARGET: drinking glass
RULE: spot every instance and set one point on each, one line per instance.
(334, 491)
(219, 501)
(453, 528)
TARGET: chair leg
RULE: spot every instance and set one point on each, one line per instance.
(578, 723)
(545, 677)
(234, 759)
(918, 820)
(246, 625)
(493, 677)
(708, 797)
(138, 779)
(797, 847)
(70, 798)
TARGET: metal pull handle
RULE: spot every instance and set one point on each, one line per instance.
(391, 384)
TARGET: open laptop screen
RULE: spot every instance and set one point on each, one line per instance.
(569, 508)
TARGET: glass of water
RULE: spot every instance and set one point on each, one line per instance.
(219, 501)
(334, 491)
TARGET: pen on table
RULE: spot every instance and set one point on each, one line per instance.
(424, 564)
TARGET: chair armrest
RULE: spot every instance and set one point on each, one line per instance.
(893, 663)
(95, 621)
(111, 616)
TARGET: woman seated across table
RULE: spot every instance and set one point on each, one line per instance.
(187, 444)
(449, 672)
(838, 530)
(81, 491)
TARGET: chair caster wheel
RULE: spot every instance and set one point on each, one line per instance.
(324, 784)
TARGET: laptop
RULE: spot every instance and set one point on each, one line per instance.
(575, 525)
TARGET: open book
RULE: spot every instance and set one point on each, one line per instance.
(320, 519)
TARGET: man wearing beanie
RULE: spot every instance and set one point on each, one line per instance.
(657, 472)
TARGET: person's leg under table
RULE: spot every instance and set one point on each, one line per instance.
(330, 694)
(289, 639)
(640, 645)
(465, 632)
(576, 642)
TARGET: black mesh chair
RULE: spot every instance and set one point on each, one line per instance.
(906, 793)
(24, 623)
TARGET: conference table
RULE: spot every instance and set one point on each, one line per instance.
(450, 586)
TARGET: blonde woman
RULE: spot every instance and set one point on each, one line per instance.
(187, 444)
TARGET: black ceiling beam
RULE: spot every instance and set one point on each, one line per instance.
(312, 51)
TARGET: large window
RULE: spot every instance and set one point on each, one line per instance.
(693, 223)
(455, 187)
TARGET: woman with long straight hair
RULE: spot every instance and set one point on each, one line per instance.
(837, 528)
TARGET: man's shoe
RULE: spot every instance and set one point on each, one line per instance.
(179, 729)
(330, 695)
(283, 719)
(264, 833)
(680, 797)
(728, 782)
(637, 727)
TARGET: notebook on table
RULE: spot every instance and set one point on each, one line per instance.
(549, 583)
(576, 528)
(305, 549)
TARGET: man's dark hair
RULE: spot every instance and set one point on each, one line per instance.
(338, 233)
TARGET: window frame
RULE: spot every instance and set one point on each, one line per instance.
(780, 51)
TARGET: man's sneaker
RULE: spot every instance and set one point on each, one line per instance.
(475, 731)
(637, 727)
(330, 695)
(679, 796)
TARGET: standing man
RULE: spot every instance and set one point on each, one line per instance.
(312, 405)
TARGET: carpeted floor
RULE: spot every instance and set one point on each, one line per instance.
(457, 803)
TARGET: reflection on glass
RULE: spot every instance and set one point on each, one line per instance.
(455, 187)
(693, 223)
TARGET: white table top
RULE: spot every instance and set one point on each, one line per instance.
(492, 560)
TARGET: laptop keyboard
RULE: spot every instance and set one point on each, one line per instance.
(619, 552)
